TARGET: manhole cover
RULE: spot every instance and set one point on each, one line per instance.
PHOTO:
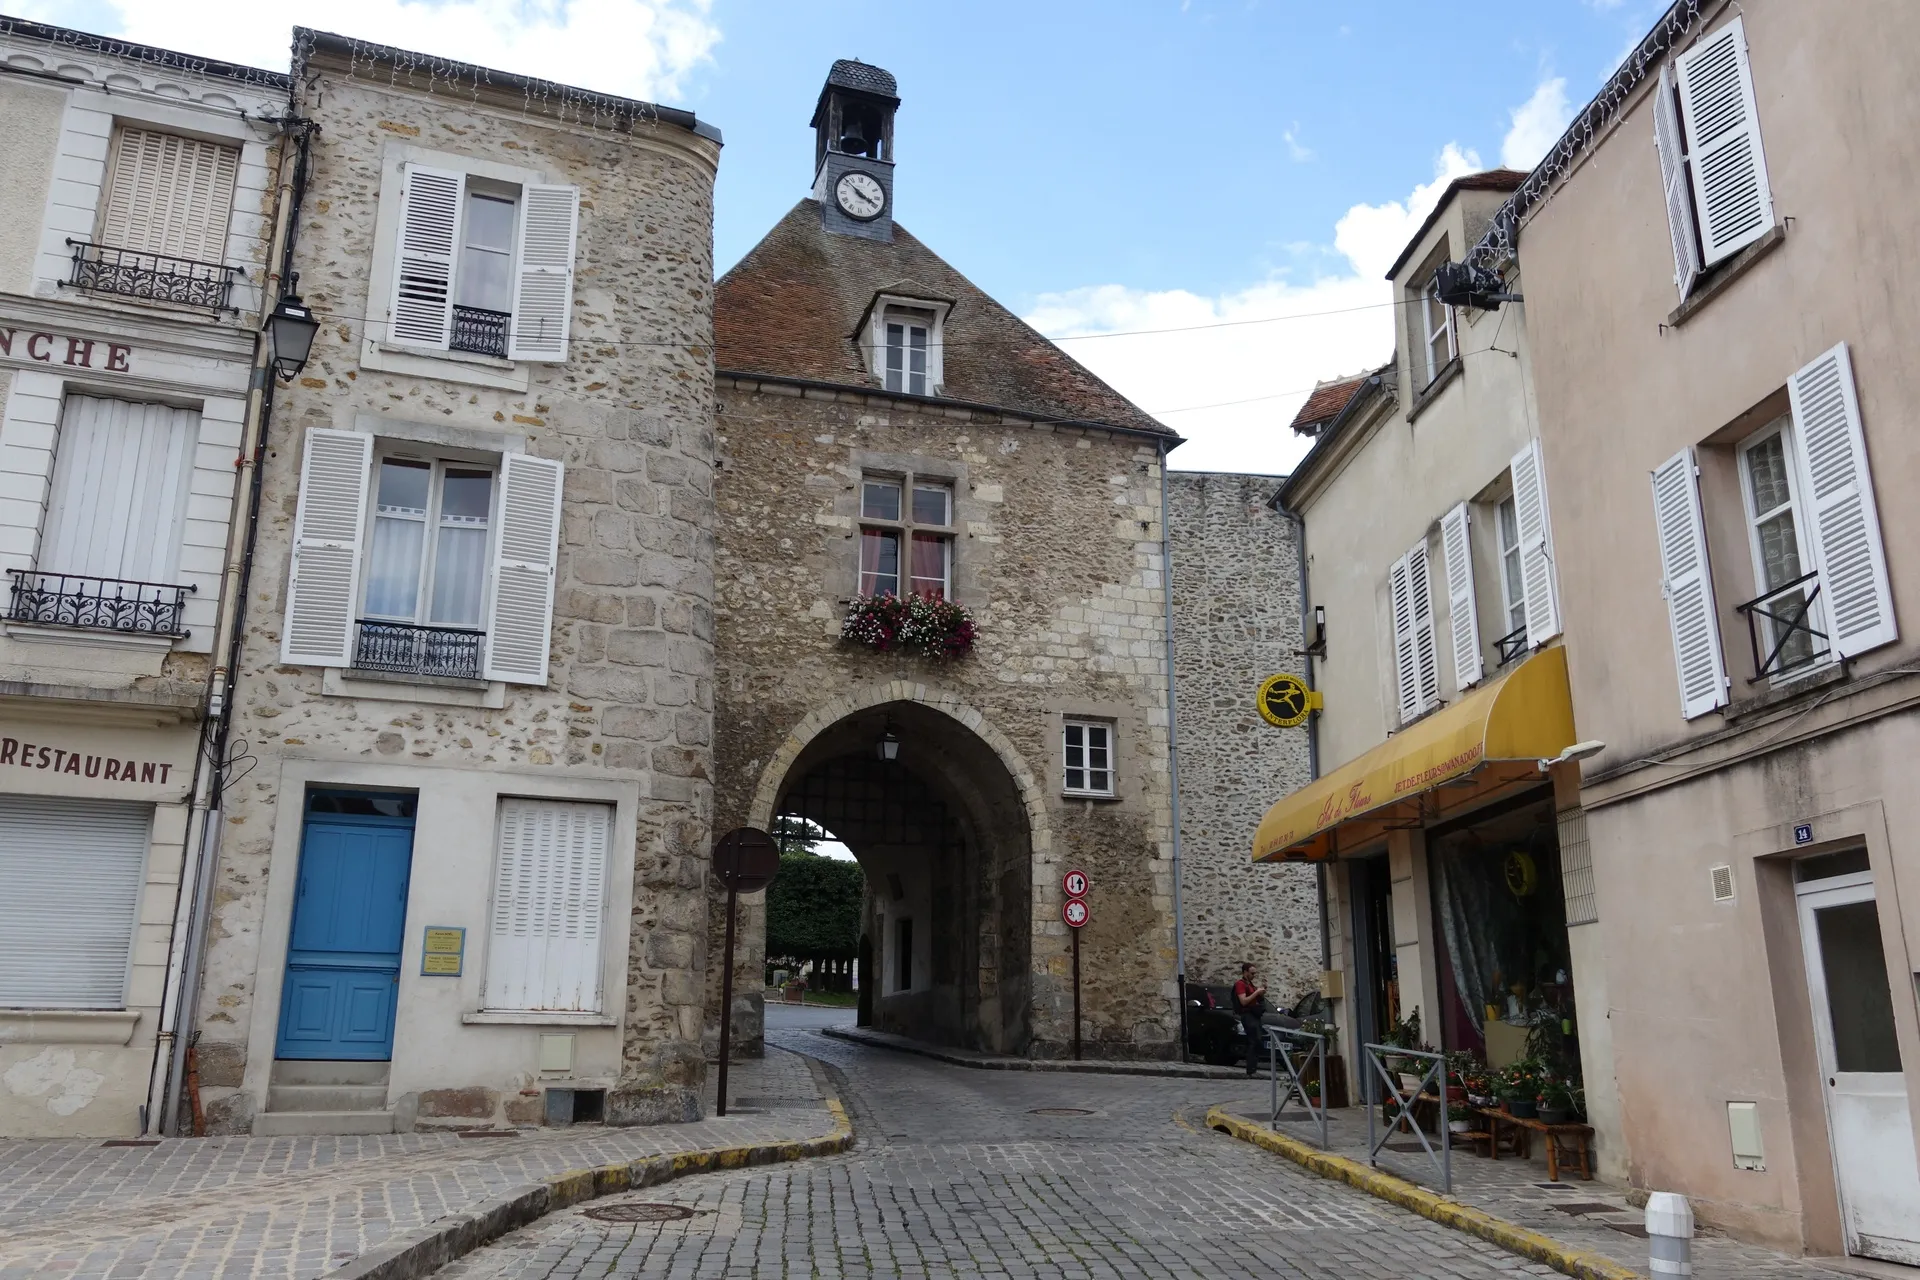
(639, 1212)
(1589, 1206)
(1060, 1111)
(1628, 1229)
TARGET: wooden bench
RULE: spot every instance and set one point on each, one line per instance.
(1566, 1143)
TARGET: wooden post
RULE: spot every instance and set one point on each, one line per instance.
(726, 1005)
(1076, 995)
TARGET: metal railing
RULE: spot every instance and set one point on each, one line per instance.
(1400, 1116)
(1796, 642)
(90, 603)
(481, 332)
(1283, 1044)
(419, 651)
(155, 277)
(1512, 644)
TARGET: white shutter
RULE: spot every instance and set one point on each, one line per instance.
(1406, 660)
(1671, 144)
(1426, 648)
(543, 287)
(526, 539)
(1456, 548)
(1723, 143)
(1536, 545)
(325, 584)
(1687, 584)
(549, 897)
(169, 195)
(119, 502)
(423, 257)
(70, 879)
(1841, 515)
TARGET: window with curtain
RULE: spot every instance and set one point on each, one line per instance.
(906, 537)
(427, 563)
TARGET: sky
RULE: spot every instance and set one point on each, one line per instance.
(1197, 198)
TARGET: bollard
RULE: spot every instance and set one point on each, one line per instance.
(1669, 1234)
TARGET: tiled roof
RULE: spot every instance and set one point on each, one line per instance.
(1485, 180)
(790, 308)
(1328, 399)
(851, 73)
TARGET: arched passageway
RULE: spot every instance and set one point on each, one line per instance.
(942, 834)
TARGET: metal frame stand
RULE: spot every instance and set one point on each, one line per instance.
(1280, 1051)
(1402, 1115)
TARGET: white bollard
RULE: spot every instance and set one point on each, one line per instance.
(1669, 1234)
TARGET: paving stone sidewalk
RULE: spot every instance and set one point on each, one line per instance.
(298, 1207)
(996, 1062)
(1594, 1216)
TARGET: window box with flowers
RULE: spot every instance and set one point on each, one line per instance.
(921, 624)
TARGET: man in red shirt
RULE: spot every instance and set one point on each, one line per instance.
(1250, 1002)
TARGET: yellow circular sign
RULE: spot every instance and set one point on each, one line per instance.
(1284, 700)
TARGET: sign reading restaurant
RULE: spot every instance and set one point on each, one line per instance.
(62, 349)
(28, 755)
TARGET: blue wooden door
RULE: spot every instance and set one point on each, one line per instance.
(349, 915)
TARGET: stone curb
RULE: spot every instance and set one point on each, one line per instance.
(1104, 1067)
(425, 1250)
(1583, 1264)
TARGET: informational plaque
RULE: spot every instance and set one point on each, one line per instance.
(442, 951)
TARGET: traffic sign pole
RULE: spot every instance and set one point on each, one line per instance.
(726, 1003)
(1076, 995)
(746, 860)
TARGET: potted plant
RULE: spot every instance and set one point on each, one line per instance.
(1555, 1101)
(920, 624)
(1519, 1088)
(1459, 1119)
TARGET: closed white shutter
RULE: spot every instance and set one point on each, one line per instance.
(1406, 660)
(169, 195)
(120, 478)
(549, 896)
(1536, 545)
(1687, 584)
(1456, 549)
(70, 878)
(526, 539)
(1671, 144)
(543, 289)
(1426, 648)
(423, 257)
(1842, 516)
(1723, 143)
(326, 548)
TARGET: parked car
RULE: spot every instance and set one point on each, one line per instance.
(1214, 1031)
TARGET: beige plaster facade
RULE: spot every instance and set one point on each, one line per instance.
(1696, 824)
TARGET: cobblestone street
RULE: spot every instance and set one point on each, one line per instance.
(962, 1172)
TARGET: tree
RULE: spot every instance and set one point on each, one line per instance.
(813, 909)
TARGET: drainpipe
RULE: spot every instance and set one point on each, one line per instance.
(1299, 523)
(1173, 757)
(178, 1006)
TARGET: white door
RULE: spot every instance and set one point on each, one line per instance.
(1867, 1113)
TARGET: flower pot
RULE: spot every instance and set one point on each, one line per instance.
(1409, 1083)
(1554, 1115)
(1521, 1110)
(1479, 1100)
(1460, 1126)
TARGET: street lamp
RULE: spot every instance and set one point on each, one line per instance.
(888, 748)
(291, 329)
(1578, 751)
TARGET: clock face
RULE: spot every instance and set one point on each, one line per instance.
(860, 195)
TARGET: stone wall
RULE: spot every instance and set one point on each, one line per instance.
(1058, 557)
(1236, 619)
(629, 697)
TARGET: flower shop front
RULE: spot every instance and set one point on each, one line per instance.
(1450, 922)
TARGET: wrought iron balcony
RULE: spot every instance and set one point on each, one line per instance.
(1512, 644)
(484, 333)
(97, 604)
(155, 277)
(1786, 638)
(418, 651)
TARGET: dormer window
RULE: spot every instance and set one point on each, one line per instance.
(903, 343)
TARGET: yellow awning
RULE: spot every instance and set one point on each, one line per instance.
(1494, 737)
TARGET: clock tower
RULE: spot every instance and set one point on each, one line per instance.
(853, 150)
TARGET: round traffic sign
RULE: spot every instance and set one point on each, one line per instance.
(746, 859)
(1075, 883)
(1075, 912)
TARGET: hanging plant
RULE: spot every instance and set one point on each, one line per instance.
(923, 625)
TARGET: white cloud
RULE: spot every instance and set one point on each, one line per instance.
(633, 48)
(1346, 326)
(1537, 124)
(1300, 154)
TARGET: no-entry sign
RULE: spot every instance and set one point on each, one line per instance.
(1075, 883)
(1075, 912)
